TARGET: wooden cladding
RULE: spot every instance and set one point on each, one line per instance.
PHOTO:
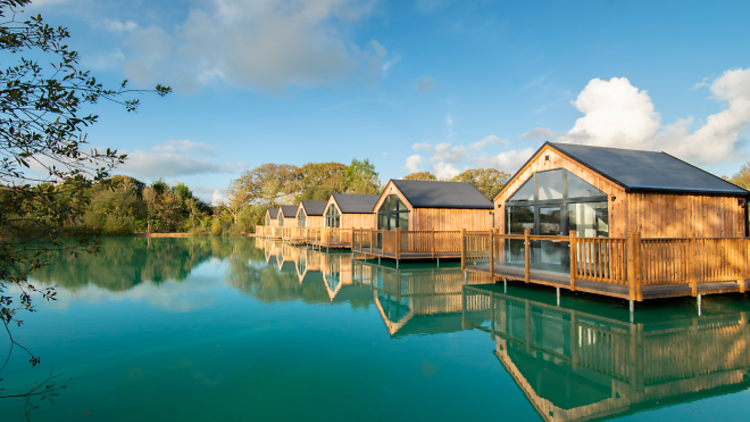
(449, 219)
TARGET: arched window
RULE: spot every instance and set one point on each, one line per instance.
(333, 217)
(393, 214)
(301, 218)
(555, 202)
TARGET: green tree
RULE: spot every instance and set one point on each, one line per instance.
(742, 177)
(361, 177)
(319, 180)
(422, 175)
(488, 181)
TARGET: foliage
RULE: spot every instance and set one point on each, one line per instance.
(488, 181)
(422, 175)
(361, 177)
(742, 177)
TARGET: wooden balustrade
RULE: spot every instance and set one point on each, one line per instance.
(630, 262)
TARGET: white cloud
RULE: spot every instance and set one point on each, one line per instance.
(218, 197)
(490, 140)
(109, 60)
(509, 161)
(618, 114)
(115, 25)
(414, 162)
(263, 44)
(446, 152)
(422, 146)
(538, 133)
(175, 159)
(445, 171)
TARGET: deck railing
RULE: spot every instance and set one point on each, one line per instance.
(632, 262)
(398, 243)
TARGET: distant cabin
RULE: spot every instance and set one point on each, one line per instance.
(418, 205)
(610, 192)
(288, 215)
(310, 213)
(272, 217)
(347, 211)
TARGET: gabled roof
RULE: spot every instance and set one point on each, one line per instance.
(273, 213)
(289, 211)
(428, 194)
(351, 203)
(313, 208)
(647, 171)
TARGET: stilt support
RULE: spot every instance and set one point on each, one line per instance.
(466, 278)
(700, 310)
(505, 285)
(378, 260)
(438, 264)
(397, 263)
(632, 310)
(558, 295)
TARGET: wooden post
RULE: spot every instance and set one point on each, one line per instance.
(527, 256)
(433, 244)
(573, 261)
(463, 249)
(638, 278)
(631, 265)
(691, 268)
(492, 257)
(397, 251)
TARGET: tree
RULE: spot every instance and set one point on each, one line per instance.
(319, 180)
(42, 124)
(488, 181)
(361, 177)
(742, 177)
(264, 185)
(421, 175)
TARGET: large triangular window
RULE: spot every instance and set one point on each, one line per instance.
(525, 192)
(579, 188)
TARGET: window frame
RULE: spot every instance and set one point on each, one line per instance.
(393, 214)
(547, 203)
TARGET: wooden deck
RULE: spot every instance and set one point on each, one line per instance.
(632, 268)
(553, 279)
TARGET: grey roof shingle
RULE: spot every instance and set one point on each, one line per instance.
(314, 208)
(290, 211)
(273, 213)
(351, 203)
(427, 194)
(648, 170)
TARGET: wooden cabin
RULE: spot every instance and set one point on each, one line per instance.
(350, 211)
(272, 217)
(637, 225)
(288, 216)
(310, 214)
(610, 192)
(424, 219)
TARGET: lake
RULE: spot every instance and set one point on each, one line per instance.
(226, 329)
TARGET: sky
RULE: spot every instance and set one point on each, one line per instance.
(423, 85)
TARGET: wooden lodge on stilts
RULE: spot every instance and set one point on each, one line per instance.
(424, 220)
(269, 230)
(630, 224)
(343, 213)
(309, 216)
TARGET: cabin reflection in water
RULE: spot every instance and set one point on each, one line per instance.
(575, 366)
(421, 300)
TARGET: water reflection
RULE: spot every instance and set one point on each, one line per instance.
(574, 365)
(578, 361)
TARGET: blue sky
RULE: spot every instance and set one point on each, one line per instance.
(436, 85)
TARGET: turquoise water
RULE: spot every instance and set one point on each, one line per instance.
(224, 329)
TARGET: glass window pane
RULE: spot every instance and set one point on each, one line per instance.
(589, 219)
(525, 192)
(550, 221)
(520, 219)
(550, 185)
(403, 220)
(382, 222)
(392, 222)
(579, 188)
